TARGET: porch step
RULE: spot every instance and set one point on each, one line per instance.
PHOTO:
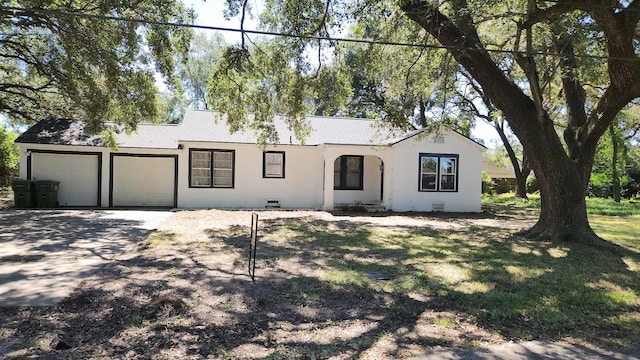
(375, 207)
(369, 207)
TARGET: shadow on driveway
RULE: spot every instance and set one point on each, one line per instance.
(44, 254)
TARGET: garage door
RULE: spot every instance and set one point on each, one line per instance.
(78, 175)
(143, 181)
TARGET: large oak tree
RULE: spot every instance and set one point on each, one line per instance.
(557, 71)
(562, 168)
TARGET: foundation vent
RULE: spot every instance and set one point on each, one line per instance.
(272, 203)
(437, 206)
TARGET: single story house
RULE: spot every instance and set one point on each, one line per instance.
(200, 164)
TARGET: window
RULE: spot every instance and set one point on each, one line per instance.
(347, 172)
(211, 168)
(438, 172)
(273, 164)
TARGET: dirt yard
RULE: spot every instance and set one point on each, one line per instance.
(184, 292)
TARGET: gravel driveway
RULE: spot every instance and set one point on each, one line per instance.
(44, 254)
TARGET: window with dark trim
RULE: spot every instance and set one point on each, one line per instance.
(348, 172)
(438, 172)
(273, 164)
(211, 168)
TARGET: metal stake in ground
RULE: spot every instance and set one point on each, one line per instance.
(252, 246)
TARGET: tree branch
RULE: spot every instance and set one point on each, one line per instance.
(573, 92)
(528, 65)
(540, 15)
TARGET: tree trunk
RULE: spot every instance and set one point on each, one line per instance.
(615, 177)
(521, 176)
(521, 185)
(563, 212)
(525, 171)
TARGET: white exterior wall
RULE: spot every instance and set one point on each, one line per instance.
(308, 183)
(406, 175)
(300, 188)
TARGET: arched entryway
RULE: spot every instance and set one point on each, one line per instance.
(358, 179)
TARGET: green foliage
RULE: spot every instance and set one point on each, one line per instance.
(9, 156)
(204, 54)
(250, 85)
(532, 185)
(601, 180)
(55, 64)
(171, 106)
(487, 183)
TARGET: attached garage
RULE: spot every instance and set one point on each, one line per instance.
(140, 180)
(77, 172)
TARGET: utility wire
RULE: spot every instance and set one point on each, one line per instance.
(62, 13)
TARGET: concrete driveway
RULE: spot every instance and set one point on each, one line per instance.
(45, 254)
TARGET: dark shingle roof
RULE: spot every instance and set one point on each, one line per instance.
(59, 132)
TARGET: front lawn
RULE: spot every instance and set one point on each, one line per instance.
(388, 286)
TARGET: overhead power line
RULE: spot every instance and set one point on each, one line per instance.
(61, 13)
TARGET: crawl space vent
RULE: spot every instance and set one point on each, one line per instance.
(437, 206)
(272, 203)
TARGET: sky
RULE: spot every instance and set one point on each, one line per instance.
(210, 13)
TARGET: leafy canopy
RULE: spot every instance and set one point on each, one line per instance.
(62, 65)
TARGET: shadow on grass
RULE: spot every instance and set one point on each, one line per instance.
(313, 297)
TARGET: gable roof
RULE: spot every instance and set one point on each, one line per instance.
(205, 126)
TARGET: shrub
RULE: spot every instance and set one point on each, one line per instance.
(532, 185)
(487, 183)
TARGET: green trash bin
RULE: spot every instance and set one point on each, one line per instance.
(46, 193)
(22, 193)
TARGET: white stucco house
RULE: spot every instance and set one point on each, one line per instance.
(199, 164)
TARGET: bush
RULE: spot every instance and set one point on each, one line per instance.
(7, 175)
(600, 191)
(503, 186)
(532, 185)
(487, 183)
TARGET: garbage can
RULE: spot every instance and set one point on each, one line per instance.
(22, 193)
(46, 193)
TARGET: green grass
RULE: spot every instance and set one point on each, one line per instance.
(623, 230)
(599, 206)
(595, 206)
(617, 222)
(519, 289)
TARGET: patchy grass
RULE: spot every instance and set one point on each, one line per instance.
(159, 238)
(520, 289)
(351, 287)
